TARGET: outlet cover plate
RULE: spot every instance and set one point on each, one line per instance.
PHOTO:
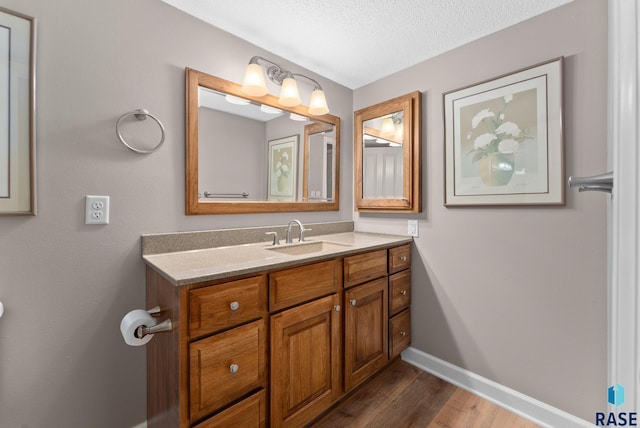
(96, 210)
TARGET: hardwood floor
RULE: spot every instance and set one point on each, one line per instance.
(404, 396)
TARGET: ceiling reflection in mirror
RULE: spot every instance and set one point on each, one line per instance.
(246, 155)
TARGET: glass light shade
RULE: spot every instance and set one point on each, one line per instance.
(387, 129)
(289, 95)
(318, 104)
(253, 83)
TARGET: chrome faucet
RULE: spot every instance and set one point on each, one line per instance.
(302, 230)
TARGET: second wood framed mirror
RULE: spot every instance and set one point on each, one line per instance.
(387, 156)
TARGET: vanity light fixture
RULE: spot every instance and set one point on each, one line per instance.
(254, 84)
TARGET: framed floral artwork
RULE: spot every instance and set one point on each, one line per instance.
(283, 169)
(17, 111)
(503, 140)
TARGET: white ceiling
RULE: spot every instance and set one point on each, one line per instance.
(356, 42)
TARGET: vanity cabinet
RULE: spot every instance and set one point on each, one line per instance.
(275, 348)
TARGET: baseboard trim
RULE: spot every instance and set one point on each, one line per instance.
(141, 425)
(514, 401)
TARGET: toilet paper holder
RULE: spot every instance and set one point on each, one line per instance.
(143, 330)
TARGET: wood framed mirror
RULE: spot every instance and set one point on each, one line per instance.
(248, 154)
(387, 160)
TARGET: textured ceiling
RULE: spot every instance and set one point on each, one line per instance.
(356, 42)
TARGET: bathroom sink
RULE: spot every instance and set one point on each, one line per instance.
(309, 248)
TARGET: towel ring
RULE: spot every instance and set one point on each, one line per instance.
(140, 114)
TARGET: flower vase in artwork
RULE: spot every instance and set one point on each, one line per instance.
(282, 183)
(496, 169)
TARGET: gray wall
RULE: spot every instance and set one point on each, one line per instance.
(65, 285)
(517, 295)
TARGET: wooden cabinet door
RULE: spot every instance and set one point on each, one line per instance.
(366, 331)
(305, 361)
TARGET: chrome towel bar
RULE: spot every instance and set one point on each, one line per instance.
(226, 195)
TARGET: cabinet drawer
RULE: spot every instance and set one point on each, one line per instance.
(224, 305)
(249, 413)
(399, 333)
(224, 367)
(399, 291)
(364, 267)
(292, 286)
(399, 258)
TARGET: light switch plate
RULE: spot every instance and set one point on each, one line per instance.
(412, 228)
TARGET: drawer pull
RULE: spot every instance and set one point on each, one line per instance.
(353, 302)
(233, 368)
(337, 308)
(403, 333)
(403, 258)
(234, 306)
(403, 292)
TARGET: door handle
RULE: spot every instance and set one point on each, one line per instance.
(598, 183)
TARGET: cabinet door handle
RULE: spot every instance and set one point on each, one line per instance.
(234, 306)
(233, 368)
(353, 302)
(403, 292)
(403, 333)
(403, 258)
(337, 308)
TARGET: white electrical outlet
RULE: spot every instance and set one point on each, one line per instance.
(96, 210)
(412, 228)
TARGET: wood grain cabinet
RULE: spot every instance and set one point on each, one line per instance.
(365, 334)
(305, 361)
(277, 348)
(399, 299)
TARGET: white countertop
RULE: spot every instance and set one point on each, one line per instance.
(190, 267)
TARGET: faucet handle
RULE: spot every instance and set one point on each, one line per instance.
(302, 231)
(276, 241)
